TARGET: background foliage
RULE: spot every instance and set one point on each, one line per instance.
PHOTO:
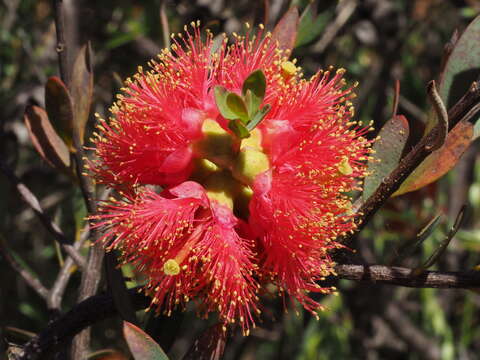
(377, 41)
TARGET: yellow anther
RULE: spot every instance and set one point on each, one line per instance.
(288, 69)
(344, 167)
(171, 267)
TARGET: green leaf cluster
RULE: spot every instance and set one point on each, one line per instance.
(245, 111)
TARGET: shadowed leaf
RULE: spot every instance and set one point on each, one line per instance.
(208, 346)
(285, 32)
(141, 345)
(440, 161)
(59, 106)
(82, 90)
(237, 106)
(393, 137)
(461, 69)
(44, 138)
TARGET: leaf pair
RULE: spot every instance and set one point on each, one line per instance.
(244, 112)
(67, 110)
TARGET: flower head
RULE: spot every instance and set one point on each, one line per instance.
(255, 162)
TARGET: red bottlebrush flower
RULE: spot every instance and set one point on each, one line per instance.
(187, 247)
(278, 151)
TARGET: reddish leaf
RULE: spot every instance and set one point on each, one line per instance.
(285, 32)
(59, 106)
(441, 161)
(209, 346)
(82, 90)
(141, 345)
(44, 138)
(393, 137)
(107, 354)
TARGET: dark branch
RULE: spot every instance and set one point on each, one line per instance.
(401, 276)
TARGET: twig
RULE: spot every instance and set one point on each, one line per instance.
(346, 10)
(401, 276)
(62, 49)
(164, 23)
(34, 204)
(100, 307)
(32, 281)
(55, 295)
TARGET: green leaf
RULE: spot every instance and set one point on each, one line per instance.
(220, 94)
(257, 84)
(141, 345)
(310, 26)
(259, 116)
(388, 151)
(461, 69)
(237, 106)
(82, 90)
(59, 106)
(440, 161)
(238, 129)
(285, 32)
(44, 138)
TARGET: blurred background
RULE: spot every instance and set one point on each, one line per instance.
(377, 41)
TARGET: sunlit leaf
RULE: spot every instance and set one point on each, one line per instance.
(388, 151)
(285, 32)
(82, 89)
(221, 100)
(237, 106)
(44, 138)
(59, 106)
(440, 161)
(141, 345)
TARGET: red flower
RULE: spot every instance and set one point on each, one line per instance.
(278, 151)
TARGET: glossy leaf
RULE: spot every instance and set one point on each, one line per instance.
(44, 138)
(285, 32)
(141, 345)
(220, 94)
(82, 90)
(209, 346)
(59, 106)
(440, 161)
(310, 26)
(237, 106)
(256, 85)
(388, 150)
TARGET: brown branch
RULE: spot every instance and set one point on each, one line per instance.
(100, 307)
(401, 276)
(62, 49)
(31, 200)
